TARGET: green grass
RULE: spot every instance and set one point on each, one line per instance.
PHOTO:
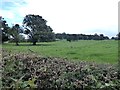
(105, 51)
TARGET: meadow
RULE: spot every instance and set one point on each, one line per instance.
(100, 51)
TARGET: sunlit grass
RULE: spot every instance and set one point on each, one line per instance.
(105, 51)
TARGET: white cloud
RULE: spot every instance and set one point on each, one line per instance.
(74, 16)
(7, 14)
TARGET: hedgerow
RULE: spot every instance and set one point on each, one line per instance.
(21, 71)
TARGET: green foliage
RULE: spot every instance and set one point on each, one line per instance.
(74, 37)
(37, 29)
(14, 32)
(4, 30)
(30, 71)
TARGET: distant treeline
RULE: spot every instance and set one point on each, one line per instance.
(37, 30)
(73, 37)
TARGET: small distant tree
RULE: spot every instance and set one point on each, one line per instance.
(96, 37)
(101, 37)
(14, 32)
(36, 28)
(69, 38)
(113, 38)
(59, 36)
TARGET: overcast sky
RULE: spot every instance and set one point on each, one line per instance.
(70, 16)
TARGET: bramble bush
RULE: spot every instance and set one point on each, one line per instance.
(21, 71)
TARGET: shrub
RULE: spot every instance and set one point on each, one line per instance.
(22, 71)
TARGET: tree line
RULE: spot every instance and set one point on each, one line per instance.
(33, 25)
(73, 37)
(37, 30)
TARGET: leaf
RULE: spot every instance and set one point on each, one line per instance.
(99, 85)
(23, 84)
(31, 83)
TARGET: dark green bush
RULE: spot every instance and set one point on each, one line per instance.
(21, 71)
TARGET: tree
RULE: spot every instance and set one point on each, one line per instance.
(47, 35)
(14, 32)
(3, 30)
(101, 37)
(36, 28)
(22, 38)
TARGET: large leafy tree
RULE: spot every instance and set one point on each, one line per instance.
(35, 27)
(15, 33)
(4, 30)
(47, 35)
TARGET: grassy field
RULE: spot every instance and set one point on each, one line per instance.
(105, 51)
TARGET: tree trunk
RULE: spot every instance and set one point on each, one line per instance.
(34, 43)
(17, 44)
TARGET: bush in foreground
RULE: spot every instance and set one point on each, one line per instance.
(21, 71)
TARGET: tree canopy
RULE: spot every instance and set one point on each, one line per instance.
(36, 27)
(3, 30)
(15, 33)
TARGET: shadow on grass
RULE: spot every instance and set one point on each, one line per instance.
(28, 44)
(40, 44)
